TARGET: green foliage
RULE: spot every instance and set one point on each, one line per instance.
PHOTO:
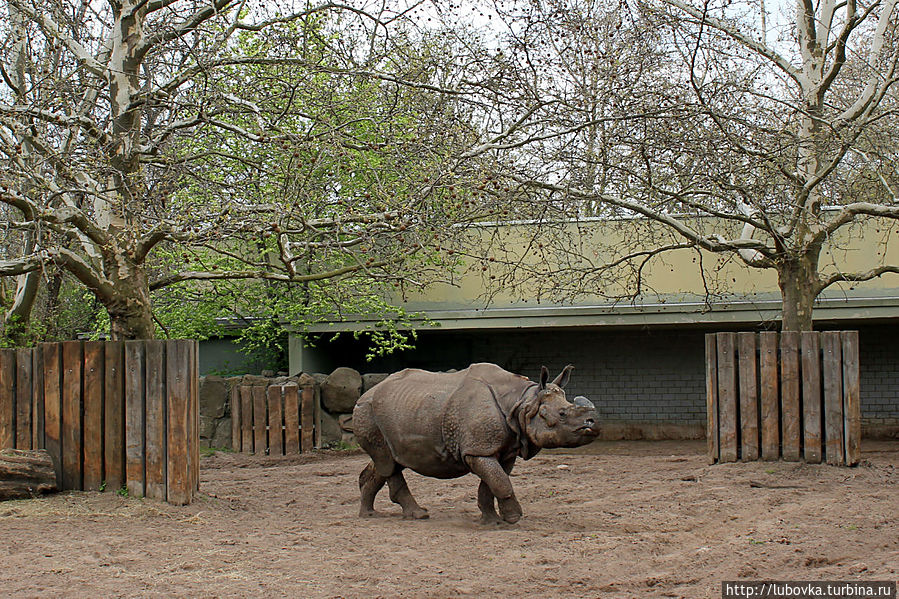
(317, 147)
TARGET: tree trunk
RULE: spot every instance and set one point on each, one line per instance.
(799, 286)
(129, 307)
(24, 474)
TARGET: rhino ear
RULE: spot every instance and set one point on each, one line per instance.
(562, 379)
(544, 376)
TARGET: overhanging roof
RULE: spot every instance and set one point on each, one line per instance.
(628, 315)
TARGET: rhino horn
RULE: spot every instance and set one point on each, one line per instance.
(582, 402)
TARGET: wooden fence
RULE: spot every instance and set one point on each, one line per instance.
(273, 420)
(110, 414)
(783, 395)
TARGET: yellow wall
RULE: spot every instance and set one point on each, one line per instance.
(676, 276)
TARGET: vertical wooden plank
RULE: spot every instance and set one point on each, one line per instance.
(246, 418)
(749, 397)
(770, 408)
(52, 353)
(178, 374)
(316, 399)
(7, 398)
(711, 397)
(194, 439)
(135, 427)
(114, 415)
(727, 396)
(851, 402)
(291, 419)
(307, 419)
(236, 444)
(72, 410)
(94, 361)
(155, 419)
(37, 398)
(24, 402)
(275, 421)
(811, 396)
(790, 415)
(260, 442)
(832, 365)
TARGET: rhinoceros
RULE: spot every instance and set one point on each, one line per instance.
(475, 420)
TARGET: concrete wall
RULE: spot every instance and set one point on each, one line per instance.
(645, 382)
(223, 357)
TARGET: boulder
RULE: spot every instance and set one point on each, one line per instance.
(221, 437)
(372, 379)
(341, 390)
(213, 396)
(330, 431)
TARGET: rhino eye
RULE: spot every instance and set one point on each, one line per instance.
(562, 413)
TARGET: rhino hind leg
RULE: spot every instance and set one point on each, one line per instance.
(382, 469)
(370, 482)
(400, 493)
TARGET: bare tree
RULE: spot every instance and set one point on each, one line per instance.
(148, 143)
(785, 141)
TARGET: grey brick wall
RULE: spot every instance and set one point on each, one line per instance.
(879, 374)
(653, 376)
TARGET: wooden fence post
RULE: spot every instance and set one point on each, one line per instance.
(308, 430)
(727, 397)
(236, 444)
(275, 421)
(72, 412)
(291, 419)
(94, 379)
(53, 405)
(833, 397)
(24, 403)
(749, 402)
(260, 443)
(711, 390)
(179, 415)
(7, 399)
(114, 415)
(770, 406)
(811, 396)
(135, 411)
(790, 414)
(851, 406)
(156, 412)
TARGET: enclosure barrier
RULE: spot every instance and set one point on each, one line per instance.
(783, 395)
(112, 415)
(273, 420)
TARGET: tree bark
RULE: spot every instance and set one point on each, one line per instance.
(799, 286)
(24, 474)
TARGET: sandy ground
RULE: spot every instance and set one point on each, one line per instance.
(619, 520)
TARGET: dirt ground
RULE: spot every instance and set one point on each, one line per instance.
(626, 519)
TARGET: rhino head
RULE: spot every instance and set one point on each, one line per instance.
(553, 421)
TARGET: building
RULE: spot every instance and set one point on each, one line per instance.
(641, 361)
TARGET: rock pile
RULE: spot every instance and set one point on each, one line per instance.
(337, 394)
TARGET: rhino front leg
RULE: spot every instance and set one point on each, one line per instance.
(497, 483)
(486, 499)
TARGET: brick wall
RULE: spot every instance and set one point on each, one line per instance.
(646, 376)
